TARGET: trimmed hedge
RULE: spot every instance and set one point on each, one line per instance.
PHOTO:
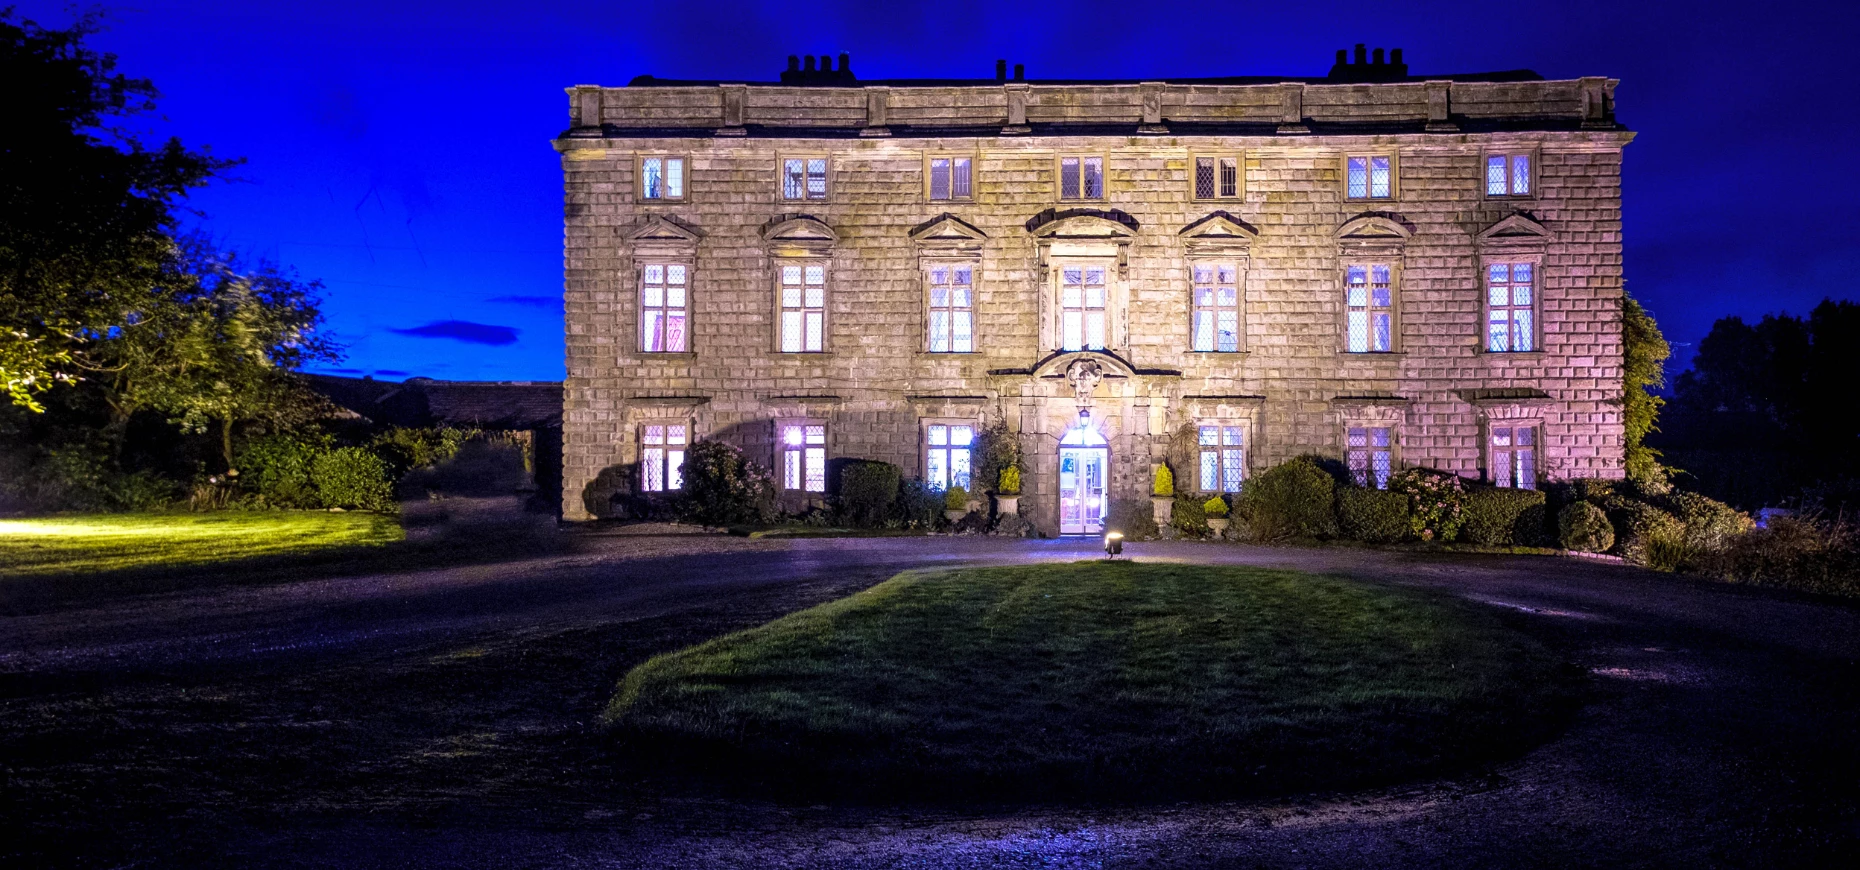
(1188, 516)
(1372, 515)
(1583, 527)
(867, 490)
(1501, 517)
(722, 488)
(353, 478)
(1294, 499)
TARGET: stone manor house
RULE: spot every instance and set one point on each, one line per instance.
(1221, 274)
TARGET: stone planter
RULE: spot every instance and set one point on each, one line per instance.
(953, 516)
(1218, 525)
(1007, 505)
(1163, 507)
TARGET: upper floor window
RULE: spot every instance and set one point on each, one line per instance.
(1366, 452)
(946, 455)
(662, 308)
(662, 178)
(1508, 175)
(952, 314)
(662, 456)
(1081, 307)
(1369, 176)
(1370, 315)
(1510, 307)
(1217, 177)
(1223, 457)
(804, 178)
(1514, 456)
(803, 309)
(1217, 307)
(949, 178)
(1081, 178)
(804, 456)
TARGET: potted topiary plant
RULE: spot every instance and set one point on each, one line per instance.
(1007, 494)
(1162, 495)
(955, 503)
(1216, 510)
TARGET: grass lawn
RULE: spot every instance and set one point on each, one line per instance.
(96, 543)
(1117, 680)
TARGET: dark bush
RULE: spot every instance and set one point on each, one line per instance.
(1710, 524)
(1372, 515)
(1292, 500)
(1132, 516)
(405, 448)
(353, 478)
(1813, 554)
(722, 488)
(1647, 535)
(918, 505)
(1583, 527)
(867, 490)
(1188, 517)
(1500, 517)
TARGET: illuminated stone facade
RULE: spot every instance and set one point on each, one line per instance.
(1429, 262)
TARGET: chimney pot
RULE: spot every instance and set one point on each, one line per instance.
(794, 62)
(1378, 57)
(845, 61)
(1362, 54)
(1343, 57)
(1020, 72)
(1395, 56)
(826, 63)
(810, 63)
(1001, 70)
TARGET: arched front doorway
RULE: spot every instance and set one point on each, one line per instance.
(1084, 466)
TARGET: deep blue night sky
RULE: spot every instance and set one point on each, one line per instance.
(400, 152)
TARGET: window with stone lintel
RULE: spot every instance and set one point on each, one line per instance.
(1081, 177)
(1512, 455)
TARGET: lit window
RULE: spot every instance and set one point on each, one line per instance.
(946, 457)
(1509, 307)
(1217, 177)
(803, 308)
(804, 457)
(949, 178)
(1223, 458)
(662, 457)
(1514, 456)
(662, 312)
(1370, 308)
(804, 178)
(952, 318)
(1369, 178)
(1081, 306)
(1367, 455)
(662, 178)
(1217, 307)
(1081, 178)
(1508, 175)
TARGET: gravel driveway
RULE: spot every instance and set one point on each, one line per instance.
(448, 718)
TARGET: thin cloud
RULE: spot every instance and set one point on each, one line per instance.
(463, 330)
(530, 301)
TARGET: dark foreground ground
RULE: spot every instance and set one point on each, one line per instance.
(448, 717)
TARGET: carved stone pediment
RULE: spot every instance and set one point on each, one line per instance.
(662, 232)
(1084, 232)
(1383, 232)
(946, 227)
(798, 235)
(1517, 231)
(1218, 233)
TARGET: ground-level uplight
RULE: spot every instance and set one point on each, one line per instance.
(1113, 544)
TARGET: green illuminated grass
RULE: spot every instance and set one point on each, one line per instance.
(98, 543)
(1107, 680)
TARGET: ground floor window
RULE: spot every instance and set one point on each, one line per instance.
(662, 457)
(946, 462)
(1223, 457)
(804, 456)
(1367, 454)
(1514, 456)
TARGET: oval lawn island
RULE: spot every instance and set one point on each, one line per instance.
(1120, 681)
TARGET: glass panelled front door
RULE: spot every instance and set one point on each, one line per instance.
(1081, 489)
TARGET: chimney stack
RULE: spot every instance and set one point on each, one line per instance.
(845, 62)
(1020, 72)
(1001, 70)
(1361, 55)
(810, 63)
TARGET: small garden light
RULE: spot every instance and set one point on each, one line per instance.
(1113, 544)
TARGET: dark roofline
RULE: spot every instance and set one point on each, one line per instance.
(1513, 75)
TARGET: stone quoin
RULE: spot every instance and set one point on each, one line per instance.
(1220, 274)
